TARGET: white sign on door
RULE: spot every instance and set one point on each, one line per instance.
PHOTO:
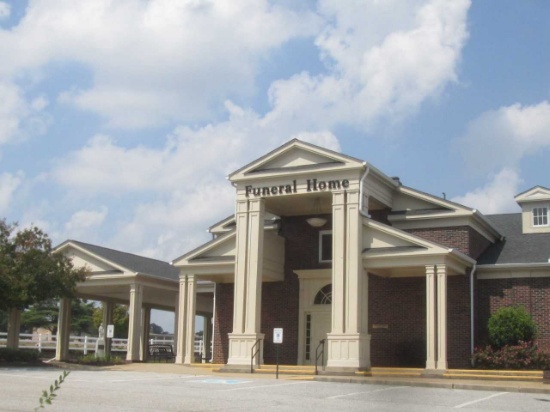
(110, 331)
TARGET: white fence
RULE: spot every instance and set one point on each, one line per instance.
(85, 344)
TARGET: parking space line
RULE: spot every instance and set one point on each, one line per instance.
(264, 386)
(494, 395)
(361, 393)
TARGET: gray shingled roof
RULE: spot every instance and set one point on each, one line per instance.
(134, 263)
(516, 246)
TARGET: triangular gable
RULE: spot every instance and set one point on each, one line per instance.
(534, 194)
(295, 156)
(222, 247)
(81, 257)
(383, 237)
(412, 199)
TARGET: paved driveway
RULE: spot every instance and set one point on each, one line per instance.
(99, 391)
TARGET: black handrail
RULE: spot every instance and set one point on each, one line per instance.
(254, 353)
(322, 355)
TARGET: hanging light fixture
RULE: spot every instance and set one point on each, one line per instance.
(316, 220)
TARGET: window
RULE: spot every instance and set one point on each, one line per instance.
(325, 246)
(540, 216)
(324, 296)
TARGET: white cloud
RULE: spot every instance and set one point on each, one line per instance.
(386, 59)
(5, 10)
(157, 61)
(9, 183)
(509, 134)
(83, 221)
(497, 196)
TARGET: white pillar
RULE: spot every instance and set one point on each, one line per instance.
(349, 341)
(176, 324)
(441, 317)
(134, 332)
(248, 281)
(63, 330)
(14, 328)
(190, 322)
(182, 320)
(430, 317)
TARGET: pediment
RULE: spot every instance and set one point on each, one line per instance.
(295, 157)
(535, 194)
(219, 249)
(380, 237)
(81, 257)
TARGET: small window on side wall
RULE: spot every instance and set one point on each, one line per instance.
(540, 216)
(325, 246)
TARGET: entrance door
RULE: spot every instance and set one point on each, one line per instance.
(319, 326)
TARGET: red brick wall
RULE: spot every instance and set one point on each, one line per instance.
(531, 293)
(399, 303)
(223, 321)
(458, 321)
(463, 238)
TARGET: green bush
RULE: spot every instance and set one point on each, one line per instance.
(511, 325)
(90, 359)
(523, 356)
(11, 355)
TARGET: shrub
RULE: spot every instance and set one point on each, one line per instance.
(90, 359)
(522, 356)
(11, 355)
(511, 325)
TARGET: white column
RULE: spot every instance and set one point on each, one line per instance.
(182, 320)
(108, 308)
(248, 281)
(190, 322)
(176, 323)
(349, 341)
(441, 363)
(63, 330)
(430, 317)
(134, 332)
(14, 328)
(145, 327)
(338, 261)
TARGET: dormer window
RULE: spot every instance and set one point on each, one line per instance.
(540, 216)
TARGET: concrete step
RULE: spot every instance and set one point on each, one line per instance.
(395, 372)
(214, 367)
(501, 375)
(287, 369)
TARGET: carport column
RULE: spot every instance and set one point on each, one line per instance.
(441, 317)
(63, 330)
(190, 322)
(248, 281)
(134, 332)
(182, 320)
(14, 327)
(108, 308)
(430, 317)
(176, 323)
(145, 332)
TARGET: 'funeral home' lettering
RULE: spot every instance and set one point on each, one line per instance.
(312, 185)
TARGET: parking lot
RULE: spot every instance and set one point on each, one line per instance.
(20, 389)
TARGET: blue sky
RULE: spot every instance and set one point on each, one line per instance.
(120, 120)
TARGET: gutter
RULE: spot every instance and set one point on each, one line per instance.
(361, 197)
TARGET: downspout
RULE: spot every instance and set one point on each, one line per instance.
(472, 274)
(361, 197)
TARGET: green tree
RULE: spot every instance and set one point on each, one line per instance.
(46, 314)
(30, 272)
(510, 325)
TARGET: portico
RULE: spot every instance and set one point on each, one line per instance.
(274, 264)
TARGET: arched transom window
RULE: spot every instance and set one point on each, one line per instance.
(324, 296)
